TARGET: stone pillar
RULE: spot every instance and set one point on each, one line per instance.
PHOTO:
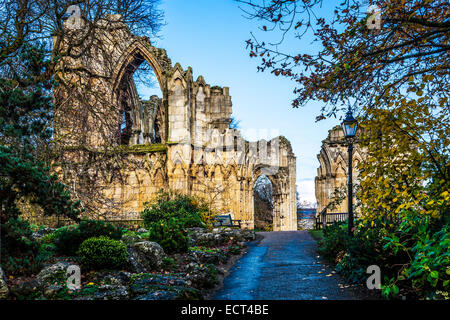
(179, 109)
(199, 125)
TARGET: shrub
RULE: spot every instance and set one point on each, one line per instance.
(46, 251)
(26, 112)
(103, 253)
(334, 240)
(68, 239)
(430, 267)
(423, 243)
(353, 254)
(413, 254)
(19, 254)
(187, 210)
(100, 228)
(235, 250)
(169, 263)
(49, 238)
(170, 235)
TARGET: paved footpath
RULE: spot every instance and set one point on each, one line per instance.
(284, 266)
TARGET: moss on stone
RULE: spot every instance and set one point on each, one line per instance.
(143, 148)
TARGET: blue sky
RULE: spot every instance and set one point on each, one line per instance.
(209, 36)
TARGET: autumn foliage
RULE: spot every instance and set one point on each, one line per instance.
(396, 78)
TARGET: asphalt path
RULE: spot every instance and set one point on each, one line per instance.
(285, 266)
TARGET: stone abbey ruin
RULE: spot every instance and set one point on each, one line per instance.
(333, 171)
(117, 152)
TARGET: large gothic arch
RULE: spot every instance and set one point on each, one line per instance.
(198, 152)
(138, 50)
(333, 170)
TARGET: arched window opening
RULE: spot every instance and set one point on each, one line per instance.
(263, 203)
(141, 119)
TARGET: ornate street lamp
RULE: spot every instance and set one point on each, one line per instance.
(349, 125)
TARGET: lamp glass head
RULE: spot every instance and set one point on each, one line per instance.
(349, 125)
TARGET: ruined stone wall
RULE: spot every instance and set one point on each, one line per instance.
(118, 151)
(333, 170)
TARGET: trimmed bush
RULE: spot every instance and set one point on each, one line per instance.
(187, 210)
(68, 239)
(170, 235)
(103, 253)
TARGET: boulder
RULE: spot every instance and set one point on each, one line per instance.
(117, 278)
(249, 235)
(162, 287)
(142, 230)
(4, 290)
(207, 257)
(27, 288)
(53, 273)
(218, 236)
(200, 237)
(52, 291)
(158, 295)
(131, 238)
(195, 230)
(111, 292)
(146, 256)
(201, 276)
(145, 283)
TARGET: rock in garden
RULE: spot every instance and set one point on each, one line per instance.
(196, 230)
(158, 295)
(146, 256)
(144, 283)
(27, 288)
(201, 276)
(162, 287)
(4, 290)
(117, 278)
(207, 239)
(142, 230)
(52, 291)
(249, 235)
(218, 236)
(131, 238)
(111, 292)
(53, 273)
(213, 257)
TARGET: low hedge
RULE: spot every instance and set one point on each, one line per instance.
(103, 253)
(69, 239)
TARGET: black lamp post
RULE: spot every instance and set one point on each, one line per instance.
(349, 125)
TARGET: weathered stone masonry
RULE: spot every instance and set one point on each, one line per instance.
(333, 170)
(181, 142)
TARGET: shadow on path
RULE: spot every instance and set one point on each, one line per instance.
(284, 266)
